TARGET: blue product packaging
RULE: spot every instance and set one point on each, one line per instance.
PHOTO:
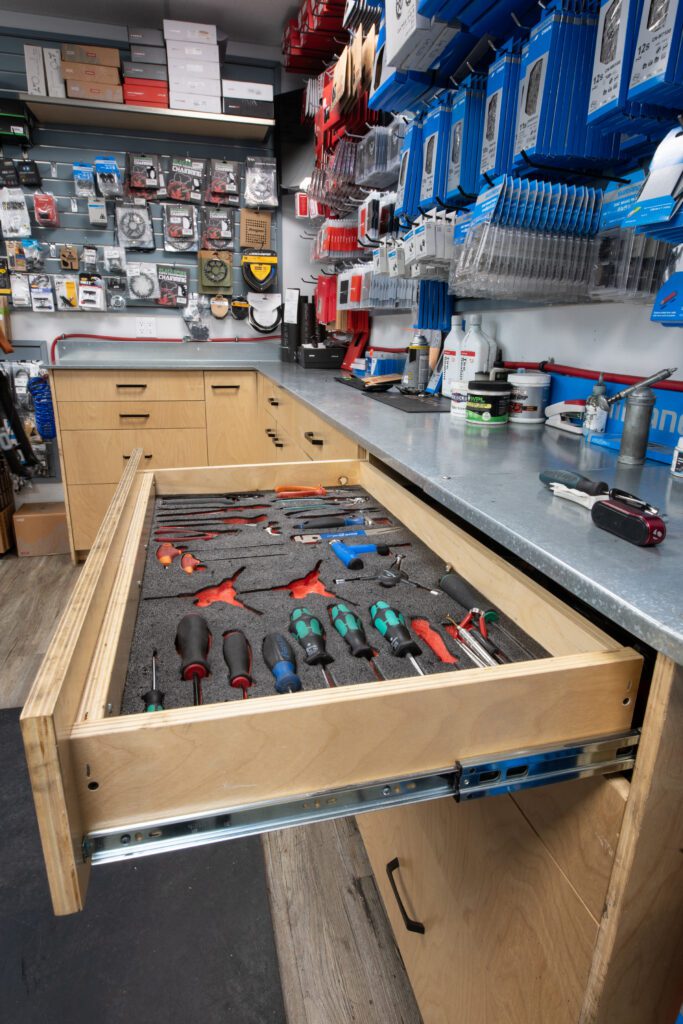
(657, 71)
(466, 130)
(502, 88)
(435, 139)
(410, 167)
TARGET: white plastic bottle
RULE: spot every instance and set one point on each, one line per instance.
(452, 347)
(478, 350)
(677, 460)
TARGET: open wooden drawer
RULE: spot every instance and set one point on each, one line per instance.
(91, 769)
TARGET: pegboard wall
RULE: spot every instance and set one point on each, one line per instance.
(55, 149)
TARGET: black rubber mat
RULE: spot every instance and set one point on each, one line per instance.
(172, 939)
(255, 560)
(404, 403)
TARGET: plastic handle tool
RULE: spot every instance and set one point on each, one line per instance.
(350, 628)
(573, 480)
(279, 657)
(349, 554)
(237, 656)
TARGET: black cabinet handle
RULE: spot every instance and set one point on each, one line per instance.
(271, 401)
(225, 387)
(318, 441)
(278, 444)
(270, 432)
(412, 926)
(133, 415)
(144, 456)
(140, 387)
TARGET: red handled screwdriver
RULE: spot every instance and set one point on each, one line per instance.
(237, 655)
(192, 642)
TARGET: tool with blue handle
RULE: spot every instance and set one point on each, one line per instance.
(349, 554)
(330, 521)
(315, 538)
(279, 657)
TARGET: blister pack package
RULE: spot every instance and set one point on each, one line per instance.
(657, 71)
(502, 91)
(180, 227)
(466, 130)
(260, 182)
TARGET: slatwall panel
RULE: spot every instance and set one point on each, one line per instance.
(55, 149)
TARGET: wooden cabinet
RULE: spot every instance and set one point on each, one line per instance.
(318, 439)
(127, 415)
(98, 456)
(128, 385)
(232, 419)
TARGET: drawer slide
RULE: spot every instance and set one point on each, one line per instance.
(466, 780)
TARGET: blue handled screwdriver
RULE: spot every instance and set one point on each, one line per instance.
(279, 657)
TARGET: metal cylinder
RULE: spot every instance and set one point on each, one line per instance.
(636, 426)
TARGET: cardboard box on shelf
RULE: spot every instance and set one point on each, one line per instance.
(196, 86)
(73, 71)
(141, 95)
(93, 91)
(145, 36)
(150, 72)
(207, 69)
(53, 72)
(148, 54)
(35, 70)
(40, 529)
(189, 31)
(106, 55)
(200, 104)
(247, 99)
(191, 51)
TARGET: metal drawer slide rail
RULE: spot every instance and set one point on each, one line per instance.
(467, 779)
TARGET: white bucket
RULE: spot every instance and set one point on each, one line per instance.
(530, 393)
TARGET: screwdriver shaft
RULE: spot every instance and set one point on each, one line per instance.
(416, 665)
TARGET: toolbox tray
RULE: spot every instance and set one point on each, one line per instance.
(94, 770)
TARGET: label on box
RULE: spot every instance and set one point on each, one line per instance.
(105, 55)
(248, 90)
(194, 86)
(202, 104)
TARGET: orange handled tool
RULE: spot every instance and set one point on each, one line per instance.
(296, 491)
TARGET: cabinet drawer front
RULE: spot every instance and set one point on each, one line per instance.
(319, 440)
(128, 385)
(280, 447)
(99, 456)
(130, 415)
(87, 507)
(231, 419)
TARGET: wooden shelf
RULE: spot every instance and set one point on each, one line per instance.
(93, 114)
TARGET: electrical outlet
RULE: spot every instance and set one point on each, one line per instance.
(145, 327)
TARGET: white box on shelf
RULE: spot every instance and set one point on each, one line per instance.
(200, 104)
(191, 51)
(53, 72)
(35, 70)
(207, 69)
(189, 31)
(197, 86)
(247, 90)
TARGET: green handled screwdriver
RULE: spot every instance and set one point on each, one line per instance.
(350, 629)
(310, 634)
(154, 698)
(392, 627)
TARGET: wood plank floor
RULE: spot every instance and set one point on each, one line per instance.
(338, 960)
(33, 593)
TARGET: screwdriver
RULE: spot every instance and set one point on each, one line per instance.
(350, 629)
(237, 656)
(392, 626)
(309, 631)
(279, 657)
(192, 642)
(154, 699)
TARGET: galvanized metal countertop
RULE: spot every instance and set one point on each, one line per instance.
(489, 477)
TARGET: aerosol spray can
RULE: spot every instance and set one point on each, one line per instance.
(416, 372)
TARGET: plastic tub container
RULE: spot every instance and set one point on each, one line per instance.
(530, 394)
(488, 402)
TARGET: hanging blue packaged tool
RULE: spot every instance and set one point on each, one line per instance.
(435, 136)
(657, 72)
(658, 209)
(502, 90)
(410, 167)
(466, 130)
(615, 49)
(435, 307)
(396, 90)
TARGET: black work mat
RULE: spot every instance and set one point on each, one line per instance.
(253, 558)
(181, 937)
(404, 403)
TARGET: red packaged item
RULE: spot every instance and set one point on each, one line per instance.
(45, 210)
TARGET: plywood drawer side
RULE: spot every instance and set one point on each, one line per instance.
(131, 415)
(128, 385)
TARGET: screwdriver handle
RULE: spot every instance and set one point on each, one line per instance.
(573, 480)
(154, 700)
(326, 521)
(310, 634)
(192, 642)
(459, 590)
(350, 628)
(237, 656)
(392, 626)
(279, 657)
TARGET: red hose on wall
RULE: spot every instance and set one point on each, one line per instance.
(575, 371)
(111, 337)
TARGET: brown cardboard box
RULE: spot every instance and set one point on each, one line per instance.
(93, 91)
(90, 73)
(40, 528)
(106, 55)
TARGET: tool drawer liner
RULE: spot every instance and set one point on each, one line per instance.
(159, 610)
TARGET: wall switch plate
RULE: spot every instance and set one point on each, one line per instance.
(145, 327)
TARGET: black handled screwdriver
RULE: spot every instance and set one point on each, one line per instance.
(310, 634)
(237, 656)
(392, 626)
(279, 657)
(154, 698)
(350, 629)
(192, 642)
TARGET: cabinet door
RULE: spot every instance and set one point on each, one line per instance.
(232, 419)
(507, 938)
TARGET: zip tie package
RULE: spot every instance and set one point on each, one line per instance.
(84, 179)
(657, 72)
(14, 217)
(502, 90)
(466, 130)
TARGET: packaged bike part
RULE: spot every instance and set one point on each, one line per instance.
(215, 271)
(192, 315)
(114, 259)
(174, 285)
(108, 177)
(42, 299)
(217, 227)
(240, 307)
(84, 179)
(91, 294)
(66, 291)
(89, 259)
(28, 173)
(180, 227)
(259, 269)
(33, 254)
(134, 226)
(45, 210)
(220, 306)
(14, 218)
(223, 183)
(265, 311)
(143, 171)
(186, 179)
(97, 213)
(143, 283)
(16, 257)
(8, 174)
(255, 229)
(116, 292)
(5, 287)
(68, 257)
(260, 182)
(21, 294)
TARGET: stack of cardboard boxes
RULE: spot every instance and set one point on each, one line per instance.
(194, 66)
(92, 72)
(145, 75)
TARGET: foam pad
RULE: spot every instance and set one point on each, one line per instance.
(255, 560)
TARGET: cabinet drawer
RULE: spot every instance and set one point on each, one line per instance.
(128, 385)
(91, 772)
(280, 447)
(232, 419)
(99, 456)
(319, 439)
(127, 415)
(278, 404)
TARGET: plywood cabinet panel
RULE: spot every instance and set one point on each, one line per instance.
(128, 385)
(318, 439)
(87, 506)
(232, 419)
(131, 415)
(99, 456)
